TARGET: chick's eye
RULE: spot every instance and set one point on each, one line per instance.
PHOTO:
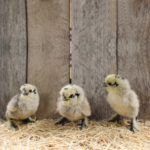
(109, 83)
(30, 91)
(77, 94)
(34, 91)
(71, 96)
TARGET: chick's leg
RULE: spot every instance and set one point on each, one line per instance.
(11, 125)
(114, 117)
(62, 121)
(14, 126)
(134, 126)
(28, 120)
(130, 122)
(83, 123)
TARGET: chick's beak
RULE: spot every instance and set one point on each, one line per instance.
(63, 98)
(24, 92)
(104, 84)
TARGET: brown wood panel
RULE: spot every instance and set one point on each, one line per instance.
(70, 14)
(94, 50)
(48, 51)
(13, 50)
(134, 48)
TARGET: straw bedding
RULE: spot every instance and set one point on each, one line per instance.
(44, 135)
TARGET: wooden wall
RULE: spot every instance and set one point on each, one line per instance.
(34, 48)
(111, 36)
(94, 50)
(48, 51)
(134, 48)
(108, 36)
(13, 50)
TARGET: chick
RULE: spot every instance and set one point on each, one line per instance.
(22, 106)
(73, 105)
(122, 99)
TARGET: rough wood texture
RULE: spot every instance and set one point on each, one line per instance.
(134, 48)
(13, 50)
(94, 50)
(48, 50)
(70, 14)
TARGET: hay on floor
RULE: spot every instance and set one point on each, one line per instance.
(100, 135)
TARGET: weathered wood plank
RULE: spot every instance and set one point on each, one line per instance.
(71, 14)
(94, 50)
(134, 48)
(48, 49)
(13, 50)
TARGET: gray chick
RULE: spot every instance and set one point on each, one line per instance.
(73, 105)
(122, 99)
(22, 106)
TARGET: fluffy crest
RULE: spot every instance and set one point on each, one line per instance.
(114, 81)
(28, 90)
(72, 94)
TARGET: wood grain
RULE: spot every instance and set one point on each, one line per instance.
(134, 48)
(94, 50)
(48, 49)
(13, 50)
(70, 14)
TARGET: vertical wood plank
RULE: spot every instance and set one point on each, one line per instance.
(94, 50)
(134, 48)
(13, 50)
(48, 51)
(70, 14)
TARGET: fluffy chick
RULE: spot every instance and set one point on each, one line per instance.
(22, 106)
(122, 99)
(73, 105)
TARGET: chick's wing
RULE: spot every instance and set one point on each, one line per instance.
(133, 99)
(86, 110)
(13, 104)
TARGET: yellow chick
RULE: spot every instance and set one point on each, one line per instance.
(122, 99)
(22, 106)
(73, 105)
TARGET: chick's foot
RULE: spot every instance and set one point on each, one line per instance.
(82, 124)
(116, 118)
(26, 121)
(62, 121)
